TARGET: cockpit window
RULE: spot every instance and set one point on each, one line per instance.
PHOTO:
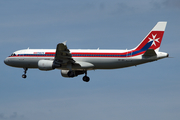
(13, 54)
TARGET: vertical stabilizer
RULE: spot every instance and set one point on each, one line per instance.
(154, 36)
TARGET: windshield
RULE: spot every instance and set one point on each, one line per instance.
(13, 54)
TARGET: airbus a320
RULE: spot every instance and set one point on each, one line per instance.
(74, 62)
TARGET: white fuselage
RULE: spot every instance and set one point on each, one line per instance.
(99, 59)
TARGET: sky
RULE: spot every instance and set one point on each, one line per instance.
(145, 92)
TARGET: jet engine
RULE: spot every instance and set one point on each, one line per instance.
(71, 73)
(45, 65)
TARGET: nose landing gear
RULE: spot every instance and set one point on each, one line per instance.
(25, 71)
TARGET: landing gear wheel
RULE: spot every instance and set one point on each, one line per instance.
(86, 79)
(25, 71)
(24, 76)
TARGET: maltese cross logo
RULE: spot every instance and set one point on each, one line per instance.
(154, 39)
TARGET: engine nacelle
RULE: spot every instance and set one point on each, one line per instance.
(68, 73)
(45, 65)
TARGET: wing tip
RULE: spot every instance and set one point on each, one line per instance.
(65, 42)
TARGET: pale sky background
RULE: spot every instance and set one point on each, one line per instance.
(147, 92)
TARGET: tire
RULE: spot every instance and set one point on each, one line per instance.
(24, 76)
(86, 79)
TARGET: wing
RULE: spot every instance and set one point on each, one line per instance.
(62, 56)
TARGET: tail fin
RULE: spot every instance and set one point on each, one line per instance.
(154, 38)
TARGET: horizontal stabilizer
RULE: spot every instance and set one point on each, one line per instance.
(149, 53)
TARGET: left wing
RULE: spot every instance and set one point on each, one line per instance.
(62, 56)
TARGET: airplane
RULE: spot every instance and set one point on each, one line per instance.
(74, 62)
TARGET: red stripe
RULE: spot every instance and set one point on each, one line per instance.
(100, 53)
(50, 53)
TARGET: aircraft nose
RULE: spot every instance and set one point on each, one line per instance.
(6, 61)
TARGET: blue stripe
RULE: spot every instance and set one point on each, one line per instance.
(146, 47)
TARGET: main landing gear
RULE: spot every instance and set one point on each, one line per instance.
(86, 78)
(25, 71)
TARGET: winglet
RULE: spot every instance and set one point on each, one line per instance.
(65, 42)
